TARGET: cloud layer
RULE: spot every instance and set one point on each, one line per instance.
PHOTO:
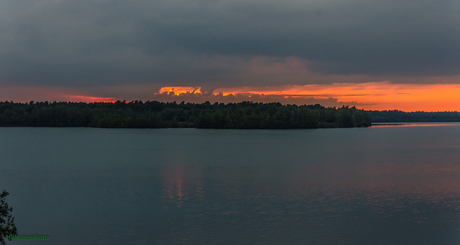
(214, 44)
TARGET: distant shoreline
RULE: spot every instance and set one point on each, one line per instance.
(415, 124)
(244, 115)
(396, 116)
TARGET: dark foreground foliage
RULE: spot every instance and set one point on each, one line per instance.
(7, 226)
(154, 114)
(419, 116)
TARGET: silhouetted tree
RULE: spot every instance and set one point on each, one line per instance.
(7, 226)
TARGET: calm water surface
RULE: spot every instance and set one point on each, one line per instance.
(378, 185)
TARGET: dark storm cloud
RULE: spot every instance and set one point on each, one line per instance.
(369, 37)
(214, 42)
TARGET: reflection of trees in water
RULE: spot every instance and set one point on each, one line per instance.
(7, 226)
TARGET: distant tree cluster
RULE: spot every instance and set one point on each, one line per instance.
(154, 114)
(419, 116)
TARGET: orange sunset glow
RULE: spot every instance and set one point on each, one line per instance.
(25, 94)
(368, 96)
(180, 90)
(92, 99)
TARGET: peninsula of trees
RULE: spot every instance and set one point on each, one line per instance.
(154, 114)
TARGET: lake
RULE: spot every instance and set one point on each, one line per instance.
(395, 184)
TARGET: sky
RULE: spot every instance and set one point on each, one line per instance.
(377, 55)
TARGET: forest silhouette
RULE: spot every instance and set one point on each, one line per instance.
(154, 114)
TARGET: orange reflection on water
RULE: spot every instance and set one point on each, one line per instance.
(174, 179)
(181, 183)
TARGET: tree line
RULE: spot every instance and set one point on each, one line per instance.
(418, 116)
(154, 114)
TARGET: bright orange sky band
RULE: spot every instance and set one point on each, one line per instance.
(368, 96)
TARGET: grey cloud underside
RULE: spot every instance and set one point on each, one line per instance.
(213, 98)
(209, 42)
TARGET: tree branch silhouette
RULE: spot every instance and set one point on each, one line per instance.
(7, 226)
